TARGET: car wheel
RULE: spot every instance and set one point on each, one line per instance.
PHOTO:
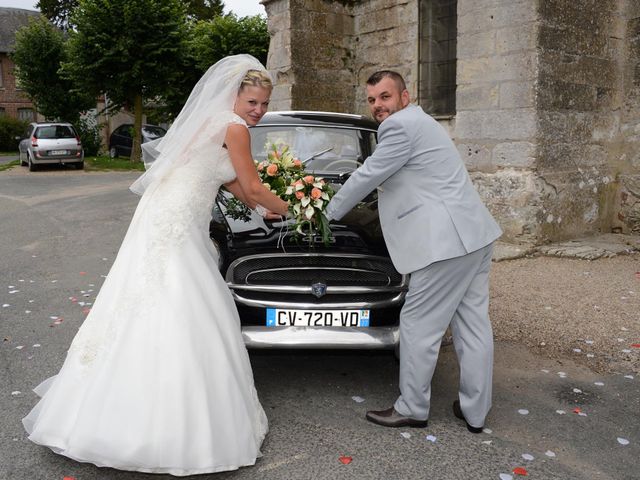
(113, 152)
(32, 166)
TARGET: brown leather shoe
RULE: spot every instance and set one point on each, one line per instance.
(391, 418)
(457, 411)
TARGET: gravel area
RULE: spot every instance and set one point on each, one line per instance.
(563, 307)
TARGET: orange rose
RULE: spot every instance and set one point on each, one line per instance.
(297, 182)
(316, 193)
(260, 167)
(300, 195)
(272, 169)
(297, 163)
(309, 179)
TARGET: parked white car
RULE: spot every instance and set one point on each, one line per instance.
(50, 143)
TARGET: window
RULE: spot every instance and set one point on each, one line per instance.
(26, 114)
(438, 32)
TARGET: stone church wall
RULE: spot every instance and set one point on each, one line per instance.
(547, 101)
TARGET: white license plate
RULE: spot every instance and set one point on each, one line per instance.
(58, 152)
(286, 317)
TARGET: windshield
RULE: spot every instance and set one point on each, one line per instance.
(321, 149)
(153, 132)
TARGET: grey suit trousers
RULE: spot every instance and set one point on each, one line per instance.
(450, 292)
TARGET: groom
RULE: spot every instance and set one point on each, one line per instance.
(437, 229)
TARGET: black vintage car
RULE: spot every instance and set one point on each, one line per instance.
(295, 293)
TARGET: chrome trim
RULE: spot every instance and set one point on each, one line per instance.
(311, 306)
(321, 337)
(304, 289)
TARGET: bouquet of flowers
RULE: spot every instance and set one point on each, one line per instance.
(308, 195)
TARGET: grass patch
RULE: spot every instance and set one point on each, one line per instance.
(103, 163)
(7, 166)
(8, 154)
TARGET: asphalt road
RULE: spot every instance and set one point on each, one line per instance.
(60, 232)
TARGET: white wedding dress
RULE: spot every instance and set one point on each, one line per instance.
(158, 378)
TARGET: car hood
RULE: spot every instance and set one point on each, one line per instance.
(357, 232)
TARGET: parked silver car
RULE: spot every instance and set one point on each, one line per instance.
(50, 143)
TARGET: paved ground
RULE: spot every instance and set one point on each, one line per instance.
(558, 413)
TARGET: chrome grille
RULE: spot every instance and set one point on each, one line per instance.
(296, 268)
(286, 279)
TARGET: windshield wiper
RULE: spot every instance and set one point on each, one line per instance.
(316, 154)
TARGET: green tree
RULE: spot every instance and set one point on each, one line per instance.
(209, 41)
(39, 52)
(57, 11)
(204, 9)
(128, 49)
(229, 35)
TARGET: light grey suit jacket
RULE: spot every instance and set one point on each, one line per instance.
(429, 209)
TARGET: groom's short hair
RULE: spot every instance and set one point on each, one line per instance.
(395, 76)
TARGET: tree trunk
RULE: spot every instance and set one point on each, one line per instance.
(136, 150)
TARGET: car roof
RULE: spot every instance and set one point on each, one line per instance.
(51, 124)
(320, 119)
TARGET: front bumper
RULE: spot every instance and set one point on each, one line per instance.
(321, 337)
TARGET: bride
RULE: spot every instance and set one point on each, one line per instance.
(158, 378)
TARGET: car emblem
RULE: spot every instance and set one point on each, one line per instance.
(319, 289)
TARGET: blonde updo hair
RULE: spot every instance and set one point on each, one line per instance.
(256, 78)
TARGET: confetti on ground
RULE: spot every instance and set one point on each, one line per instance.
(630, 377)
(355, 399)
(5, 305)
(625, 329)
(18, 392)
(620, 340)
(14, 291)
(488, 431)
(527, 456)
(69, 478)
(27, 311)
(83, 273)
(635, 345)
(520, 471)
(590, 355)
(562, 374)
(523, 411)
(487, 442)
(589, 342)
(36, 345)
(561, 412)
(550, 454)
(431, 438)
(577, 390)
(345, 460)
(626, 350)
(505, 476)
(577, 410)
(405, 434)
(19, 347)
(544, 370)
(599, 384)
(577, 350)
(623, 441)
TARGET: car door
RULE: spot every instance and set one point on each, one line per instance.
(123, 139)
(23, 145)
